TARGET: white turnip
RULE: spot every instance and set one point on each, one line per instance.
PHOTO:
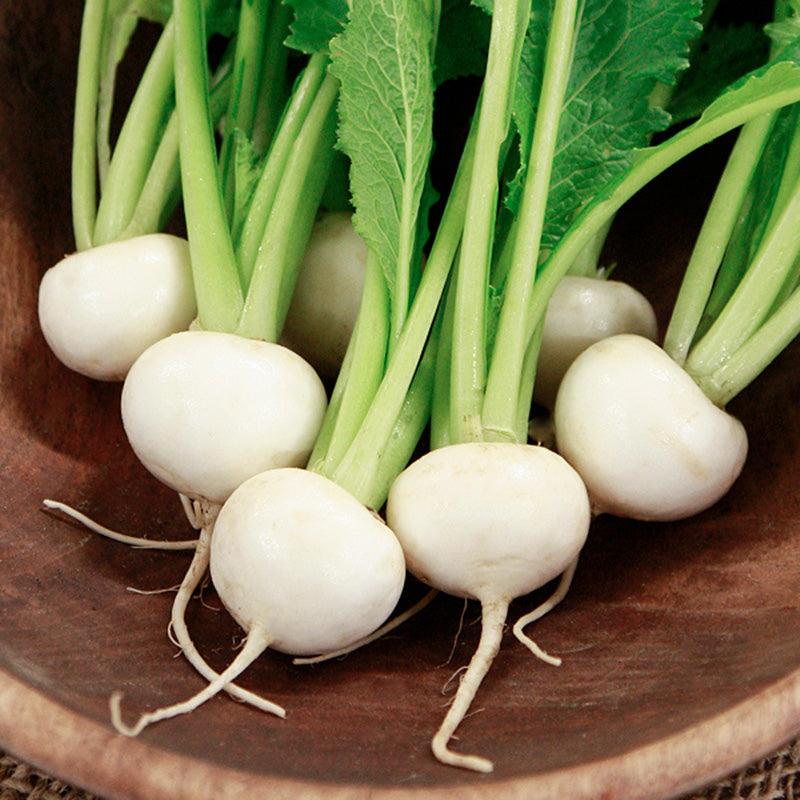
(205, 411)
(645, 439)
(583, 311)
(302, 566)
(101, 308)
(491, 522)
(327, 295)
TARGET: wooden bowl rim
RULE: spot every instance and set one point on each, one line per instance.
(78, 750)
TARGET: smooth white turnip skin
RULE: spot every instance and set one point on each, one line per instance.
(327, 296)
(646, 440)
(300, 557)
(205, 411)
(100, 309)
(583, 311)
(489, 521)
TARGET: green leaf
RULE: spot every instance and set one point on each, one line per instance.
(386, 107)
(315, 23)
(463, 42)
(760, 92)
(622, 51)
(725, 53)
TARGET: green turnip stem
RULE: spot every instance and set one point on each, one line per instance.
(755, 355)
(650, 164)
(84, 143)
(359, 463)
(303, 97)
(397, 415)
(291, 217)
(545, 608)
(504, 381)
(791, 171)
(272, 85)
(493, 613)
(119, 29)
(715, 234)
(216, 276)
(468, 374)
(162, 188)
(316, 462)
(251, 38)
(256, 643)
(587, 264)
(387, 627)
(138, 141)
(789, 180)
(527, 381)
(750, 229)
(195, 573)
(407, 430)
(505, 225)
(754, 296)
(503, 251)
(440, 406)
(134, 541)
(370, 340)
(734, 264)
(371, 480)
(789, 285)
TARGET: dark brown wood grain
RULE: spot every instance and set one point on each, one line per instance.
(680, 642)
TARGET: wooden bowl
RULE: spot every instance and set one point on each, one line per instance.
(680, 646)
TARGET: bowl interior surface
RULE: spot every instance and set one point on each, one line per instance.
(666, 625)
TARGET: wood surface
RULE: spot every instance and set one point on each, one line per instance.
(680, 642)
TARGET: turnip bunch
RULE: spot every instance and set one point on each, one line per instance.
(492, 322)
(128, 285)
(302, 564)
(486, 516)
(209, 408)
(675, 450)
(557, 144)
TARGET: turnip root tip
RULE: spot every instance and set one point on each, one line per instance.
(134, 541)
(545, 608)
(177, 631)
(257, 642)
(493, 617)
(201, 516)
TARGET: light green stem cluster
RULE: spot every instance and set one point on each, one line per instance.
(468, 363)
(512, 347)
(84, 142)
